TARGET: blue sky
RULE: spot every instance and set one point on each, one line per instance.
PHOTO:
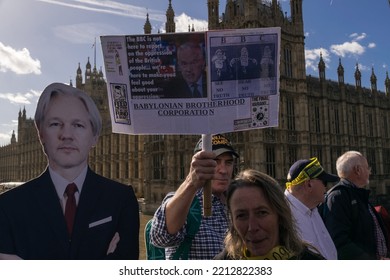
(42, 41)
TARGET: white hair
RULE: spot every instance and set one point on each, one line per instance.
(347, 161)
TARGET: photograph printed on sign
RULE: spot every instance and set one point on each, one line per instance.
(167, 66)
(242, 65)
(193, 82)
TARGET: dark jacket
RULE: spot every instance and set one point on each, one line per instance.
(178, 88)
(350, 223)
(32, 223)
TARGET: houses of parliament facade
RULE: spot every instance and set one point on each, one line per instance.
(317, 117)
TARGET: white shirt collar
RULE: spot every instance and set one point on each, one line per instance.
(60, 182)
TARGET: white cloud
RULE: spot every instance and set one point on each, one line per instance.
(110, 7)
(8, 129)
(352, 48)
(5, 138)
(75, 32)
(358, 37)
(20, 98)
(183, 21)
(347, 48)
(313, 57)
(18, 61)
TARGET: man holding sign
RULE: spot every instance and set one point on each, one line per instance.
(169, 228)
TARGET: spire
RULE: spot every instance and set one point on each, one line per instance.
(13, 137)
(191, 29)
(79, 77)
(87, 71)
(387, 84)
(297, 14)
(170, 26)
(340, 72)
(88, 65)
(358, 77)
(79, 70)
(147, 25)
(321, 68)
(373, 81)
(213, 11)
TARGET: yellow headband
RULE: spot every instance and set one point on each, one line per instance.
(311, 171)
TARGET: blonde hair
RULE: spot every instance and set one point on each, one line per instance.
(288, 236)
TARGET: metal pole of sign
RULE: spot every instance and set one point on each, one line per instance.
(207, 210)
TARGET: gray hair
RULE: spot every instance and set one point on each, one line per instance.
(56, 89)
(347, 161)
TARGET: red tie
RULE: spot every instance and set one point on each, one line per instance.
(70, 207)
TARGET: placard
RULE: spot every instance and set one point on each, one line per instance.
(193, 83)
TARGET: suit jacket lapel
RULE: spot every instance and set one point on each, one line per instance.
(50, 207)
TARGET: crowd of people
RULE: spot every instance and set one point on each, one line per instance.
(261, 220)
(70, 212)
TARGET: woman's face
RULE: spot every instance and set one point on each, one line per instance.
(255, 220)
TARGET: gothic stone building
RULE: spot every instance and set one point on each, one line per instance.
(317, 117)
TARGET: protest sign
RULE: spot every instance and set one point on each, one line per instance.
(193, 83)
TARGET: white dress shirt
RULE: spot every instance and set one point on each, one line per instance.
(60, 184)
(311, 227)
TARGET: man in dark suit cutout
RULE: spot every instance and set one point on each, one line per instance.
(32, 221)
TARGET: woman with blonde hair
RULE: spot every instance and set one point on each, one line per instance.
(261, 223)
